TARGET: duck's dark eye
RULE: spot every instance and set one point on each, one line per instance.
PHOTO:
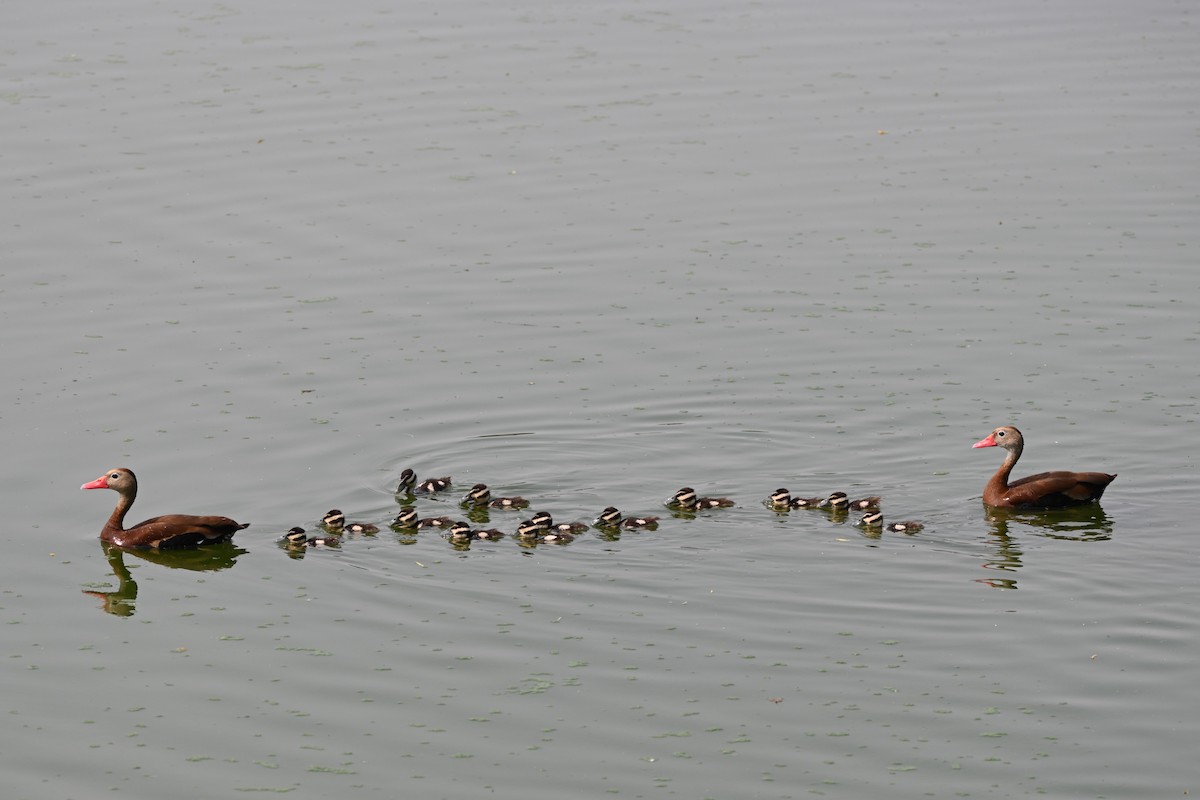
(1001, 434)
(114, 476)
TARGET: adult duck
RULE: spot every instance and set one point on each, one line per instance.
(1044, 490)
(168, 531)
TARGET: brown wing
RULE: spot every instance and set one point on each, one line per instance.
(179, 530)
(1052, 489)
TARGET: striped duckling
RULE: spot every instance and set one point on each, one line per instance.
(841, 501)
(908, 526)
(543, 520)
(335, 520)
(536, 529)
(459, 532)
(481, 495)
(611, 518)
(297, 537)
(408, 519)
(686, 498)
(408, 483)
(780, 499)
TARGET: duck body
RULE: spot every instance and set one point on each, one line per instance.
(1043, 490)
(508, 502)
(866, 503)
(807, 502)
(487, 534)
(431, 485)
(165, 532)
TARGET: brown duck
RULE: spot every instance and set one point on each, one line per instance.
(170, 530)
(1044, 490)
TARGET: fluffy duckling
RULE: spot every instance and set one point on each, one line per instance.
(548, 524)
(780, 498)
(435, 522)
(837, 501)
(408, 482)
(459, 532)
(873, 519)
(479, 495)
(908, 526)
(686, 498)
(540, 530)
(609, 518)
(528, 530)
(298, 537)
(406, 519)
(335, 520)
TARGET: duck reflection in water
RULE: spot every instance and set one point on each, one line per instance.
(122, 601)
(1087, 523)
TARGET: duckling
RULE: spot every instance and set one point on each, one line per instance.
(295, 537)
(479, 495)
(529, 531)
(406, 519)
(908, 526)
(435, 522)
(558, 537)
(298, 537)
(686, 498)
(873, 519)
(646, 523)
(837, 501)
(547, 523)
(609, 518)
(408, 481)
(361, 527)
(334, 520)
(780, 498)
(459, 532)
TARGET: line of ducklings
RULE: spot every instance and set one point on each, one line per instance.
(541, 527)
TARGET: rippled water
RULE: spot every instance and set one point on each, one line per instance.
(590, 255)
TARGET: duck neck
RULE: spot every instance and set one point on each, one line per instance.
(116, 520)
(1000, 479)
